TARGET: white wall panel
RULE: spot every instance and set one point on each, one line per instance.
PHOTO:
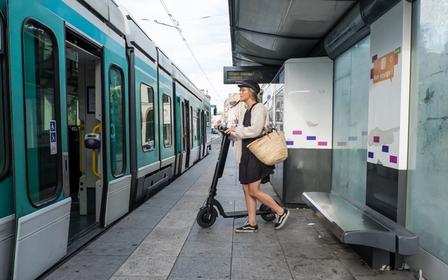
(308, 103)
(389, 88)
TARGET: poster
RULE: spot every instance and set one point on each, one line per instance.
(384, 67)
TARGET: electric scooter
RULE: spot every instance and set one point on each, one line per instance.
(207, 214)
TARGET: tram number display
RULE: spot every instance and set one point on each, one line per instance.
(259, 74)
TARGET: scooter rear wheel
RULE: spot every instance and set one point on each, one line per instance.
(267, 217)
(206, 217)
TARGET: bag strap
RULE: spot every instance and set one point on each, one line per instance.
(253, 105)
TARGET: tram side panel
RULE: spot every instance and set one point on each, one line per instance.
(166, 123)
(7, 218)
(38, 114)
(149, 176)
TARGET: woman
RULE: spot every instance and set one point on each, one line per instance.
(252, 170)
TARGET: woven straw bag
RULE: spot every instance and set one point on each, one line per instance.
(271, 148)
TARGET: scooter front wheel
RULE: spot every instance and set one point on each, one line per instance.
(206, 217)
(267, 217)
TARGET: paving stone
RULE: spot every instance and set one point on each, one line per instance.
(257, 250)
(307, 269)
(137, 278)
(141, 265)
(305, 236)
(295, 250)
(88, 268)
(201, 267)
(343, 251)
(260, 268)
(142, 220)
(179, 219)
(213, 234)
(389, 275)
(116, 248)
(209, 249)
(161, 234)
(357, 267)
(160, 247)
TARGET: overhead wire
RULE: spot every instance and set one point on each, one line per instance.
(176, 25)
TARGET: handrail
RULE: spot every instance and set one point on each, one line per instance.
(81, 146)
(96, 129)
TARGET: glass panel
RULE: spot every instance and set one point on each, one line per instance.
(428, 134)
(148, 123)
(40, 70)
(279, 110)
(191, 127)
(167, 123)
(2, 129)
(72, 77)
(351, 89)
(195, 126)
(184, 128)
(73, 110)
(117, 140)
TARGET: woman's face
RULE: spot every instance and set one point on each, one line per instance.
(245, 94)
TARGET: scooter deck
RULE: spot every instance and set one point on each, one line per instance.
(242, 214)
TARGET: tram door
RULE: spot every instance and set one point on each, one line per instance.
(39, 155)
(84, 130)
(186, 131)
(203, 134)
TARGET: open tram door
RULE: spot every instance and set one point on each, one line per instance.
(84, 132)
(39, 151)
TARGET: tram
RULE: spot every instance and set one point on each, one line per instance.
(94, 119)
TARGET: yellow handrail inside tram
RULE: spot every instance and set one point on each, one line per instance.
(96, 129)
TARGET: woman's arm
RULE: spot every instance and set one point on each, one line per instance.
(257, 122)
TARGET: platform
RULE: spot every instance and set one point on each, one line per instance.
(161, 240)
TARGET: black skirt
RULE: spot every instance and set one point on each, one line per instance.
(251, 169)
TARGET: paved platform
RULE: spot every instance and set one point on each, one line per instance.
(161, 240)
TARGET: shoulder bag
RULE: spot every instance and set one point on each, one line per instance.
(270, 148)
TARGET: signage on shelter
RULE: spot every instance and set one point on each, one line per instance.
(384, 67)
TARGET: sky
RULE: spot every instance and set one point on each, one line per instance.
(208, 37)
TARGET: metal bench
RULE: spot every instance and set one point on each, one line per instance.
(374, 236)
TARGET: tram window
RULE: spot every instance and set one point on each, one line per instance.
(167, 123)
(41, 93)
(195, 126)
(148, 123)
(117, 120)
(2, 131)
(198, 124)
(191, 128)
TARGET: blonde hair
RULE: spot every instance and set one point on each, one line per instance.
(253, 94)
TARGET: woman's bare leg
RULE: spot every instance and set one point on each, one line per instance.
(255, 192)
(251, 205)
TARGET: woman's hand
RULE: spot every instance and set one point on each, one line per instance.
(230, 130)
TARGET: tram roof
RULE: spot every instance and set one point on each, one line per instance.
(266, 32)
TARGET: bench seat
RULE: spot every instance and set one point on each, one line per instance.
(359, 225)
